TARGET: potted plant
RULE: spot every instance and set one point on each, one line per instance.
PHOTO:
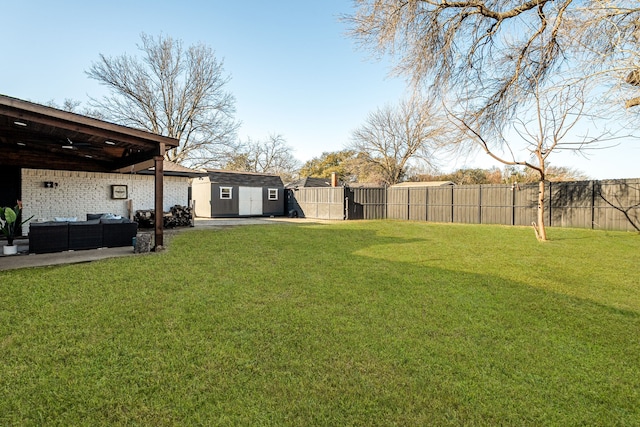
(9, 223)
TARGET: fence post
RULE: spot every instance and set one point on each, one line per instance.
(549, 203)
(426, 204)
(452, 204)
(593, 204)
(346, 208)
(480, 204)
(513, 203)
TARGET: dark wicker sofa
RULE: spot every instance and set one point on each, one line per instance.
(48, 237)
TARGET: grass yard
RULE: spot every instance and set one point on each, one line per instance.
(359, 323)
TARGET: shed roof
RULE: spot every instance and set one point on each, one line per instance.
(174, 169)
(422, 184)
(246, 179)
(310, 182)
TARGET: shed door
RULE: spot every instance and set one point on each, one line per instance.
(250, 201)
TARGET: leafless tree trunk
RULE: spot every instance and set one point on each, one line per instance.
(393, 136)
(173, 92)
(537, 132)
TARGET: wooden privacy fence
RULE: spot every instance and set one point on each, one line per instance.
(608, 205)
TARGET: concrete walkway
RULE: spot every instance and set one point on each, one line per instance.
(24, 259)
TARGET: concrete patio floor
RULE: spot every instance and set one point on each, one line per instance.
(25, 260)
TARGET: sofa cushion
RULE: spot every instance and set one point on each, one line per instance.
(48, 223)
(112, 221)
(95, 216)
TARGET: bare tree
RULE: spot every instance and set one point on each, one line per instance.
(607, 35)
(393, 136)
(490, 51)
(75, 106)
(544, 127)
(173, 92)
(271, 155)
(492, 54)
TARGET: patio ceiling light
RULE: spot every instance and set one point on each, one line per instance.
(18, 123)
(110, 143)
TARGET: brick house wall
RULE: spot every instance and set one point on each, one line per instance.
(79, 193)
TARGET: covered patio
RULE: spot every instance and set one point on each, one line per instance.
(35, 136)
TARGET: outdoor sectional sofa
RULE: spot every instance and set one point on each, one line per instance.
(59, 236)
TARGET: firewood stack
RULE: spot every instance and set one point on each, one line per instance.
(178, 216)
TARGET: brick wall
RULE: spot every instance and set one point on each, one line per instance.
(79, 193)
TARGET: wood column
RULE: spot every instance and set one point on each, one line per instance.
(159, 197)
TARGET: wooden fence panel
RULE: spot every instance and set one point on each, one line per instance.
(398, 203)
(440, 207)
(320, 203)
(367, 203)
(466, 204)
(617, 204)
(418, 204)
(571, 204)
(526, 204)
(497, 204)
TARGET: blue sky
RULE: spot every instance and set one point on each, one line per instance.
(294, 72)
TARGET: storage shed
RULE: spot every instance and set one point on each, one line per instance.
(226, 194)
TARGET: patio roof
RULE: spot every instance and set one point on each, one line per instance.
(39, 137)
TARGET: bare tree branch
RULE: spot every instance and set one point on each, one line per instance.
(393, 136)
(173, 92)
(271, 155)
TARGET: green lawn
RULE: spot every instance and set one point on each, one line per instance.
(358, 323)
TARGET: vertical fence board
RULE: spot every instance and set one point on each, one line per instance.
(571, 204)
(466, 204)
(440, 207)
(418, 204)
(617, 204)
(367, 203)
(320, 203)
(526, 204)
(398, 203)
(497, 204)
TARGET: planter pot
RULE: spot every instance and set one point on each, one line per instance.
(10, 250)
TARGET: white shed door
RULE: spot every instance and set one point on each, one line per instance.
(250, 201)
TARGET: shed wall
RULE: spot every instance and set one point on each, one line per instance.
(201, 193)
(224, 208)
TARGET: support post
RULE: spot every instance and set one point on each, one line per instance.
(159, 196)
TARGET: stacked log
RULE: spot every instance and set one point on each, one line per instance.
(178, 216)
